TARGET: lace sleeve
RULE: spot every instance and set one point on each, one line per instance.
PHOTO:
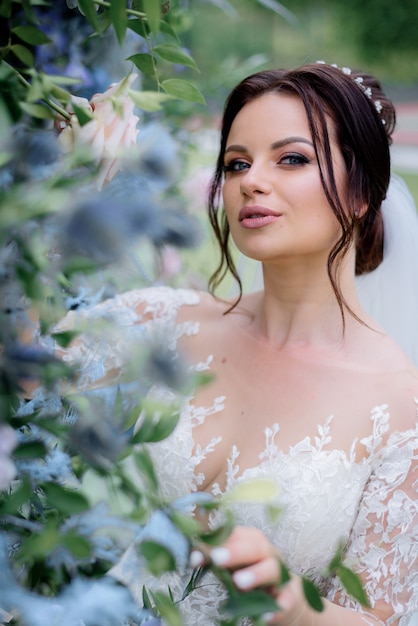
(112, 332)
(383, 547)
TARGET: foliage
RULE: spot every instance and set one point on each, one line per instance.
(60, 247)
(379, 25)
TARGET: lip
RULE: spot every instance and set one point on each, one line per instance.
(257, 216)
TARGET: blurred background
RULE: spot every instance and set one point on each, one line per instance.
(229, 40)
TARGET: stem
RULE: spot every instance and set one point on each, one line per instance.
(50, 103)
(154, 64)
(56, 107)
(106, 5)
(21, 522)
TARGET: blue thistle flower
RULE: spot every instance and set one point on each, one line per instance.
(36, 155)
(99, 441)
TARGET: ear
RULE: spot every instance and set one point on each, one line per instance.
(360, 211)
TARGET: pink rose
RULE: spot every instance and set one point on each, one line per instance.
(8, 442)
(111, 132)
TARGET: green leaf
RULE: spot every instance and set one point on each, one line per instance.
(183, 90)
(167, 29)
(38, 111)
(158, 422)
(174, 54)
(256, 490)
(186, 524)
(158, 558)
(80, 265)
(23, 54)
(144, 463)
(312, 595)
(11, 503)
(140, 27)
(164, 427)
(79, 546)
(220, 534)
(284, 573)
(30, 450)
(35, 91)
(336, 560)
(167, 609)
(29, 10)
(144, 62)
(64, 338)
(130, 417)
(56, 79)
(31, 35)
(39, 545)
(54, 426)
(6, 8)
(51, 85)
(149, 100)
(64, 500)
(250, 604)
(83, 115)
(119, 18)
(152, 10)
(353, 584)
(88, 9)
(146, 600)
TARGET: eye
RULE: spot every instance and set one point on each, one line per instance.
(294, 159)
(236, 166)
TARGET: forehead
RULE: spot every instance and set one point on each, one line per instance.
(273, 116)
(270, 114)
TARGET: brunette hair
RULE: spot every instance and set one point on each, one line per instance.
(363, 120)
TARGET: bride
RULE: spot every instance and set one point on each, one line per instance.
(308, 388)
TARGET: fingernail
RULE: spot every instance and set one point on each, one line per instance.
(244, 580)
(196, 559)
(220, 556)
(268, 617)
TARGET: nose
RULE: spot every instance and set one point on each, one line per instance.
(255, 180)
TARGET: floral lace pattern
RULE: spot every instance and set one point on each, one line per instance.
(372, 502)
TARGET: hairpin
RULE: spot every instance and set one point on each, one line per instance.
(360, 82)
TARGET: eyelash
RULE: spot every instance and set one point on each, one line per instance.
(234, 165)
(300, 158)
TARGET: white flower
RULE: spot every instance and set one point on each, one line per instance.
(111, 132)
(8, 442)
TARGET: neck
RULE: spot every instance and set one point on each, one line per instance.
(299, 308)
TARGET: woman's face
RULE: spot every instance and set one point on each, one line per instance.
(273, 195)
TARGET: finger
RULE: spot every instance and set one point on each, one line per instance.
(291, 604)
(261, 574)
(244, 546)
(197, 559)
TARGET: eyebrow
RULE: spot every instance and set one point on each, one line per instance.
(274, 146)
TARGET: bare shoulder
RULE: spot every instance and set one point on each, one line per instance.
(209, 310)
(211, 328)
(160, 301)
(399, 383)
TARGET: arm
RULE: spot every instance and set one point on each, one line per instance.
(383, 550)
(115, 335)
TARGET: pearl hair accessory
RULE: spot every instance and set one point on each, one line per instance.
(360, 82)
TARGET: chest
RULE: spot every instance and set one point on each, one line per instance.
(319, 402)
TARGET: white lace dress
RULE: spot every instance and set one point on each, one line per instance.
(328, 496)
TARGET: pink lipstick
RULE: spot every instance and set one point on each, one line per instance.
(257, 216)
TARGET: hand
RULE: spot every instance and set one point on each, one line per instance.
(256, 563)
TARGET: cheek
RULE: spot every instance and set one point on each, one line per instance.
(228, 195)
